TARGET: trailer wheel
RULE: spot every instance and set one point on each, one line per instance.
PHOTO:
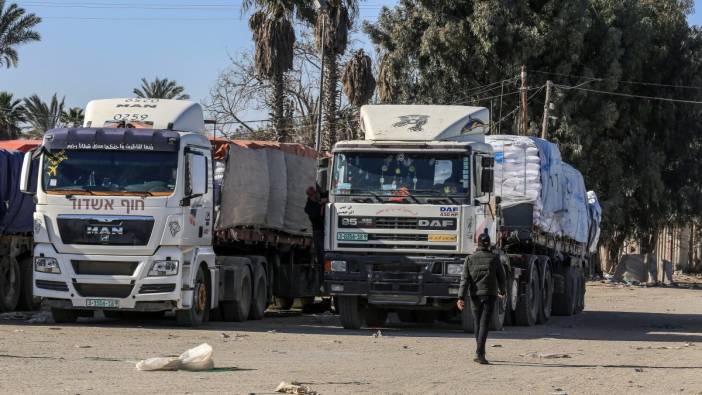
(351, 312)
(63, 316)
(238, 310)
(199, 306)
(376, 317)
(527, 311)
(565, 303)
(260, 299)
(10, 283)
(546, 295)
(26, 300)
(467, 319)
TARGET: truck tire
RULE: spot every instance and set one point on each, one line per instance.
(467, 320)
(351, 312)
(199, 309)
(10, 283)
(238, 310)
(565, 303)
(527, 311)
(26, 300)
(62, 316)
(546, 294)
(376, 317)
(259, 301)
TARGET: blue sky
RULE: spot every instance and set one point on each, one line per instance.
(102, 48)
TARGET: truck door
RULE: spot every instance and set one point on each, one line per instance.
(198, 196)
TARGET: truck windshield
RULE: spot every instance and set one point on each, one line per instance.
(110, 172)
(401, 174)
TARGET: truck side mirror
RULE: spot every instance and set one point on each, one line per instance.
(26, 184)
(487, 179)
(323, 174)
(196, 181)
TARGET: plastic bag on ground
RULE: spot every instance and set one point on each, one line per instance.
(159, 363)
(198, 358)
(294, 388)
(194, 359)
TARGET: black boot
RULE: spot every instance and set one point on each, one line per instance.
(480, 358)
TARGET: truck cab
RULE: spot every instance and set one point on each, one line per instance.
(405, 207)
(124, 213)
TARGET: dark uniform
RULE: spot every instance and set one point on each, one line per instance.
(483, 276)
(315, 211)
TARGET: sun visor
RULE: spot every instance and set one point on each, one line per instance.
(111, 139)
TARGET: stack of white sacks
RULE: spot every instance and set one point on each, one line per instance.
(530, 170)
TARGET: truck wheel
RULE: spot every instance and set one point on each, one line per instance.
(511, 299)
(197, 313)
(467, 320)
(62, 316)
(564, 303)
(546, 295)
(376, 317)
(26, 300)
(10, 283)
(284, 303)
(238, 310)
(497, 321)
(351, 312)
(527, 311)
(260, 299)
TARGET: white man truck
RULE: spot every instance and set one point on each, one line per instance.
(408, 202)
(128, 217)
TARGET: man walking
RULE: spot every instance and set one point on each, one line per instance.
(315, 211)
(482, 277)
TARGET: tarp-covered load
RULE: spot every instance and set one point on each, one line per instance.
(263, 185)
(16, 208)
(530, 170)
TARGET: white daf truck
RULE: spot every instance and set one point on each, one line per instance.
(406, 206)
(127, 220)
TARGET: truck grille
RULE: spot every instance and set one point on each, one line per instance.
(105, 229)
(104, 268)
(156, 288)
(419, 247)
(395, 223)
(52, 285)
(397, 237)
(104, 290)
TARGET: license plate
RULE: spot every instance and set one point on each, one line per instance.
(106, 303)
(352, 236)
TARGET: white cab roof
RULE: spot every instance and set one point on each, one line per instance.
(177, 115)
(423, 122)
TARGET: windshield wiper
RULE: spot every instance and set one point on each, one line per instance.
(70, 192)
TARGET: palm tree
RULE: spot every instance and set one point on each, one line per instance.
(161, 89)
(274, 40)
(11, 115)
(332, 33)
(386, 90)
(73, 118)
(42, 116)
(358, 83)
(15, 29)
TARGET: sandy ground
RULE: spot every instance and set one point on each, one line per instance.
(629, 340)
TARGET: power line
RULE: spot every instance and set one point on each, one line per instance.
(617, 81)
(659, 98)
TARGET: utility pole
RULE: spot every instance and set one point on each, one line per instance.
(547, 104)
(524, 120)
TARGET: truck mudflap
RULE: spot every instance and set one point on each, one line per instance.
(386, 279)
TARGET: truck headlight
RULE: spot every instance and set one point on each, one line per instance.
(338, 266)
(454, 269)
(46, 265)
(163, 268)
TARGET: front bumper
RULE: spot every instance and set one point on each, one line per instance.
(395, 279)
(135, 291)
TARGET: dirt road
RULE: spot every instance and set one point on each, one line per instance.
(629, 340)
